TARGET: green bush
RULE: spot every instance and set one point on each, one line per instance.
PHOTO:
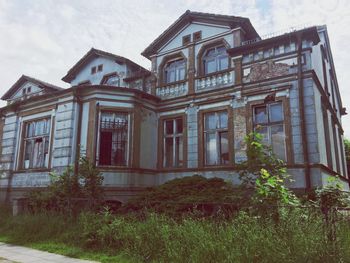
(70, 192)
(185, 195)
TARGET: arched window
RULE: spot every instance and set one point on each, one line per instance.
(215, 59)
(175, 70)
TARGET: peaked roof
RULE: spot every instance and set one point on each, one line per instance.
(22, 80)
(189, 16)
(93, 53)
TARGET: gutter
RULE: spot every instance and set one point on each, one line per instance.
(302, 115)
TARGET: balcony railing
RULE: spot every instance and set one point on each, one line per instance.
(212, 81)
(173, 90)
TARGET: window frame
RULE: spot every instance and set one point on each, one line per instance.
(167, 59)
(129, 137)
(287, 123)
(269, 124)
(202, 52)
(201, 137)
(162, 137)
(23, 138)
(216, 57)
(176, 69)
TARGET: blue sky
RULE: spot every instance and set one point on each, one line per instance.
(44, 38)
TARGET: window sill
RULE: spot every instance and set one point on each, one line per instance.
(173, 83)
(33, 170)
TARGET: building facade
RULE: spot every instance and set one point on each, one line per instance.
(212, 80)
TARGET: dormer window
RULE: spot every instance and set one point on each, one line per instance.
(215, 59)
(175, 70)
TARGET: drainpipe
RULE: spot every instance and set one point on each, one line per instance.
(302, 117)
(77, 146)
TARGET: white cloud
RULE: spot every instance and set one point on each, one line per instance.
(44, 38)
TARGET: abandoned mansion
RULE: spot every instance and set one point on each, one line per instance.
(212, 80)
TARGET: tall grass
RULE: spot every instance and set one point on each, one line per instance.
(297, 237)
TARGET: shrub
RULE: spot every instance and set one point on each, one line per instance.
(184, 195)
(69, 192)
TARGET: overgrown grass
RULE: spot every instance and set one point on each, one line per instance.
(53, 233)
(299, 236)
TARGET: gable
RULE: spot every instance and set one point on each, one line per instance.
(108, 66)
(206, 30)
(26, 89)
(204, 18)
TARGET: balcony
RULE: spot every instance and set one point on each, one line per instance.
(173, 90)
(215, 80)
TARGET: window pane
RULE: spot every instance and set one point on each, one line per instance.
(170, 76)
(168, 151)
(263, 130)
(224, 154)
(30, 129)
(179, 126)
(276, 112)
(210, 149)
(28, 153)
(38, 153)
(223, 119)
(210, 121)
(223, 63)
(179, 152)
(169, 127)
(221, 50)
(210, 52)
(181, 74)
(278, 141)
(48, 126)
(210, 66)
(260, 115)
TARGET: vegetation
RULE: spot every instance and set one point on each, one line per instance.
(298, 237)
(188, 220)
(70, 192)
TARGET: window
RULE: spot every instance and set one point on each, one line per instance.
(113, 139)
(93, 70)
(197, 36)
(29, 89)
(36, 144)
(215, 59)
(186, 39)
(113, 81)
(175, 70)
(216, 138)
(173, 143)
(269, 121)
(99, 68)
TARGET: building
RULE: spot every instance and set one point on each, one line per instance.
(212, 80)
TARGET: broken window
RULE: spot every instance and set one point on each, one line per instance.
(36, 144)
(269, 122)
(113, 139)
(216, 138)
(173, 143)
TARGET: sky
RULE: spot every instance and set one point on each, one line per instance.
(45, 38)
